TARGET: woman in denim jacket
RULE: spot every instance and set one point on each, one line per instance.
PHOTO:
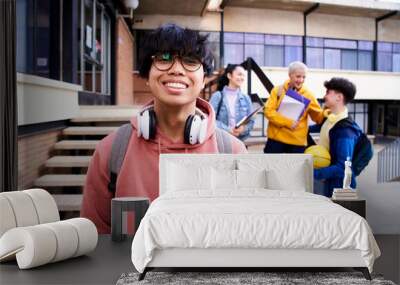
(230, 104)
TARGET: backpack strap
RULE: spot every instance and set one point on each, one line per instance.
(224, 141)
(118, 151)
(343, 123)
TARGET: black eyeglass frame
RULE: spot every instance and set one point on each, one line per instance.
(174, 57)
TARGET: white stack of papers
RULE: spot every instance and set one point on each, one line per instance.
(345, 194)
(293, 105)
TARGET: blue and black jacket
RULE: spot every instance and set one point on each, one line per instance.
(343, 137)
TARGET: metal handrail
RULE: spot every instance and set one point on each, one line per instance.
(389, 163)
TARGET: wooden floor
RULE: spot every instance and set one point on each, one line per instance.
(389, 262)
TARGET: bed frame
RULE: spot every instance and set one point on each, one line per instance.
(248, 259)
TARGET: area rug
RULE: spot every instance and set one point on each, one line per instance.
(243, 278)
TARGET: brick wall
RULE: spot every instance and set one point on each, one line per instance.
(124, 64)
(141, 93)
(33, 151)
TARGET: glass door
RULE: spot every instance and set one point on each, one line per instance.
(380, 122)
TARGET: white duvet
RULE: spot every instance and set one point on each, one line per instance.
(253, 218)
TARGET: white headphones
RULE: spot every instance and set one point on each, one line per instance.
(195, 126)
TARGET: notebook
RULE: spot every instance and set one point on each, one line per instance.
(293, 105)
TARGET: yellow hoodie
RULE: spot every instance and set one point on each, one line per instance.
(279, 126)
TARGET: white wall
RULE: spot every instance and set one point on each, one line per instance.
(210, 22)
(383, 199)
(263, 21)
(336, 26)
(370, 85)
(43, 100)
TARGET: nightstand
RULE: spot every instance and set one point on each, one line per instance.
(119, 206)
(358, 206)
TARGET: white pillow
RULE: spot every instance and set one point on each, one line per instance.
(223, 179)
(290, 180)
(188, 177)
(251, 179)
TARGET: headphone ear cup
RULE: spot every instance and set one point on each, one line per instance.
(144, 124)
(203, 130)
(139, 125)
(195, 129)
(152, 124)
(188, 126)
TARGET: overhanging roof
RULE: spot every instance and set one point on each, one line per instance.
(360, 8)
(364, 8)
(172, 7)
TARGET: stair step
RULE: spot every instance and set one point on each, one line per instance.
(68, 161)
(106, 113)
(89, 130)
(50, 180)
(68, 202)
(101, 119)
(251, 141)
(76, 144)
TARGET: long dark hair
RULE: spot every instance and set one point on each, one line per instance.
(224, 80)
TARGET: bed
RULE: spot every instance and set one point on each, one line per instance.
(246, 211)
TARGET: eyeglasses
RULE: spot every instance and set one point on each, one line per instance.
(164, 62)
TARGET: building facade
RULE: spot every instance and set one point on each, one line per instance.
(68, 54)
(334, 38)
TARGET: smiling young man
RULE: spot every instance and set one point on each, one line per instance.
(339, 134)
(286, 135)
(175, 62)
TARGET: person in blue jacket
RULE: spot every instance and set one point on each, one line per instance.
(339, 134)
(231, 104)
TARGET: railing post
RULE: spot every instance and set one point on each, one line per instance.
(248, 67)
(389, 162)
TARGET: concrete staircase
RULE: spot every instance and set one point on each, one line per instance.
(65, 170)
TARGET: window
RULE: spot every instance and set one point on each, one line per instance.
(38, 44)
(233, 54)
(396, 57)
(339, 54)
(293, 49)
(384, 56)
(273, 56)
(396, 62)
(65, 40)
(233, 48)
(364, 60)
(255, 51)
(393, 120)
(359, 112)
(332, 58)
(349, 60)
(281, 50)
(254, 47)
(365, 49)
(315, 57)
(95, 44)
(274, 50)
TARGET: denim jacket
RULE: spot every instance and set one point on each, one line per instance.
(243, 107)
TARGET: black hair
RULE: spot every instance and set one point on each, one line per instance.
(342, 85)
(223, 80)
(176, 40)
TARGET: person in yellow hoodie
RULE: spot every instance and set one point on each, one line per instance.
(286, 135)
